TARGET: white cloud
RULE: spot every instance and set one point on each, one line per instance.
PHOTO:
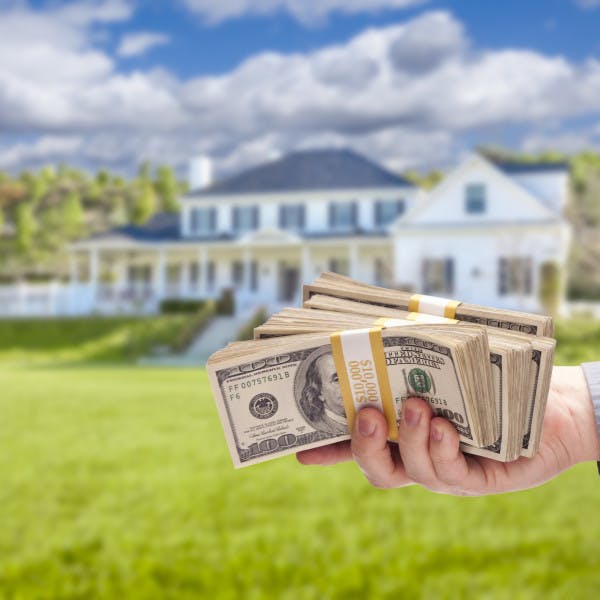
(588, 4)
(308, 12)
(136, 44)
(406, 95)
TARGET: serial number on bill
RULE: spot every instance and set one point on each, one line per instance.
(242, 385)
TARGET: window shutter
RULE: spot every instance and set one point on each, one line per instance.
(400, 207)
(302, 219)
(193, 220)
(282, 222)
(354, 214)
(236, 218)
(331, 215)
(255, 217)
(213, 220)
(378, 212)
(449, 275)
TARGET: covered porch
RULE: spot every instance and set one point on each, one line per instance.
(267, 269)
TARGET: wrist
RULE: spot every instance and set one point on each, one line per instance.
(581, 432)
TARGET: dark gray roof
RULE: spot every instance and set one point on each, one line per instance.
(161, 227)
(308, 170)
(513, 168)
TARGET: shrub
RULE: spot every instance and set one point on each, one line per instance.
(550, 286)
(179, 305)
(247, 332)
(226, 303)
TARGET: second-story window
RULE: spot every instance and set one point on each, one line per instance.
(387, 211)
(203, 221)
(245, 218)
(343, 215)
(475, 199)
(291, 216)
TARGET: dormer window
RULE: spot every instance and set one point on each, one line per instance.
(203, 221)
(475, 199)
(291, 216)
(245, 218)
(343, 215)
(387, 211)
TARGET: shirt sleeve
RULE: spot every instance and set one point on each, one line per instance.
(592, 375)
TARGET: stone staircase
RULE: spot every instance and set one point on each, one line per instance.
(220, 331)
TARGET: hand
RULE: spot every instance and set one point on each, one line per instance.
(427, 452)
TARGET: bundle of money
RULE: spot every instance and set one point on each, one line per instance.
(332, 284)
(288, 393)
(357, 298)
(299, 384)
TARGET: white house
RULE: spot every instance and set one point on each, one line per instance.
(481, 236)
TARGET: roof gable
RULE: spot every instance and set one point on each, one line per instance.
(507, 201)
(308, 170)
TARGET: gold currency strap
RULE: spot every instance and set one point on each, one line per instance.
(432, 305)
(362, 371)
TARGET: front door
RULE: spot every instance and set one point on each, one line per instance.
(289, 281)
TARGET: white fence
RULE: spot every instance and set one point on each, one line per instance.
(47, 299)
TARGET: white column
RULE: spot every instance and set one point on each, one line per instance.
(203, 265)
(353, 259)
(160, 276)
(307, 268)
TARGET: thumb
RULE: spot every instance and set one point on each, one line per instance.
(372, 452)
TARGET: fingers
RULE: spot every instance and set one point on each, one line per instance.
(449, 463)
(326, 455)
(372, 452)
(413, 442)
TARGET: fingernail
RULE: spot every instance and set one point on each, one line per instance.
(412, 417)
(436, 434)
(366, 427)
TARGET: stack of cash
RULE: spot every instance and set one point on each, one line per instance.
(300, 383)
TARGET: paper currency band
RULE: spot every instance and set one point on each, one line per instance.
(362, 374)
(441, 307)
(414, 319)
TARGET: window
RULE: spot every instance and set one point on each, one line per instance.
(515, 276)
(237, 273)
(254, 276)
(245, 218)
(475, 199)
(342, 215)
(341, 266)
(291, 216)
(194, 273)
(211, 275)
(382, 272)
(387, 211)
(203, 221)
(438, 276)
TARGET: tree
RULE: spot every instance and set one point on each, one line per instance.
(144, 205)
(72, 215)
(167, 188)
(26, 226)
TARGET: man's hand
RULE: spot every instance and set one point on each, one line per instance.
(427, 452)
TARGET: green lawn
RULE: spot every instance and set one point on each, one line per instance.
(116, 483)
(95, 339)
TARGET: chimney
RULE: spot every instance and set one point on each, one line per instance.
(200, 172)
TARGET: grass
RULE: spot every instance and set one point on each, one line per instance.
(96, 339)
(116, 483)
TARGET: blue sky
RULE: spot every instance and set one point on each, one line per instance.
(410, 83)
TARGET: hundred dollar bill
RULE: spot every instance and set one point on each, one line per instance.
(277, 397)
